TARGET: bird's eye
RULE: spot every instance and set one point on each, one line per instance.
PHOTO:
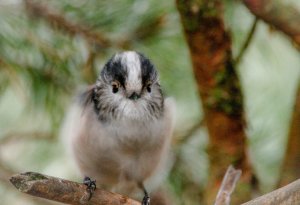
(148, 87)
(115, 86)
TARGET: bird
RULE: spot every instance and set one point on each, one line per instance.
(119, 130)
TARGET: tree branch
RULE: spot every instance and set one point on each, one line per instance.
(69, 192)
(228, 185)
(286, 195)
(58, 21)
(182, 139)
(5, 174)
(279, 14)
(17, 136)
(247, 42)
(65, 191)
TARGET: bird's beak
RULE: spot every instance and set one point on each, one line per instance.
(133, 95)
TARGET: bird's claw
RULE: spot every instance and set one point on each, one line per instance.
(146, 200)
(91, 186)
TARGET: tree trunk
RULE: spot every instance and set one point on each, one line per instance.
(291, 163)
(210, 49)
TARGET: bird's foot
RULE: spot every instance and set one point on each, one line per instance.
(91, 186)
(146, 200)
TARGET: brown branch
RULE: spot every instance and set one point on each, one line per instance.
(89, 72)
(150, 28)
(13, 77)
(286, 195)
(228, 185)
(5, 174)
(58, 21)
(65, 191)
(291, 163)
(279, 14)
(13, 137)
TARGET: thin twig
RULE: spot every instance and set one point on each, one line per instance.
(89, 72)
(280, 14)
(247, 42)
(26, 135)
(13, 77)
(182, 140)
(228, 185)
(189, 133)
(65, 191)
(58, 21)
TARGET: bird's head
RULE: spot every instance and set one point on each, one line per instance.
(128, 87)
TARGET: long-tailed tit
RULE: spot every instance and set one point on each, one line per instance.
(120, 128)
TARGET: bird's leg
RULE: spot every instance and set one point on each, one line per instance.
(146, 199)
(91, 186)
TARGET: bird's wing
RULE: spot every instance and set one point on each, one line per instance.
(72, 123)
(167, 158)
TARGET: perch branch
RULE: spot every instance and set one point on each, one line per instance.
(286, 195)
(279, 14)
(228, 185)
(65, 191)
(5, 174)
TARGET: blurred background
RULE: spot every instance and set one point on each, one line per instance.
(49, 53)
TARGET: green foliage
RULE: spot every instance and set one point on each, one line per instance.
(47, 63)
(43, 67)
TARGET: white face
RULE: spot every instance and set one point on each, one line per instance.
(128, 88)
(130, 61)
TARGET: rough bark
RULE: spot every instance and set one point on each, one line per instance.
(69, 192)
(288, 195)
(210, 49)
(278, 13)
(65, 191)
(291, 163)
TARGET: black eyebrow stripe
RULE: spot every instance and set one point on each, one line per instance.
(115, 71)
(148, 70)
